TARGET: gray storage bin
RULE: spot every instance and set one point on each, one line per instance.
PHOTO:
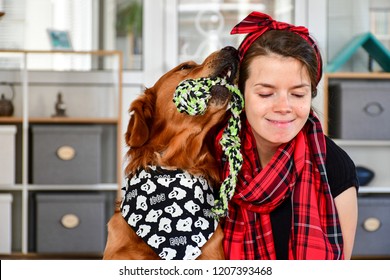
(7, 154)
(373, 228)
(66, 154)
(70, 223)
(359, 109)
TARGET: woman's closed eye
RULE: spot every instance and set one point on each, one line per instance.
(298, 94)
(265, 94)
(270, 94)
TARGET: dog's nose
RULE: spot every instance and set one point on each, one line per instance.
(232, 50)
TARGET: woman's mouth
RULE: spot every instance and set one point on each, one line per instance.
(281, 123)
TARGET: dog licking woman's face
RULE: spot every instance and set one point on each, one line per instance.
(158, 134)
(222, 63)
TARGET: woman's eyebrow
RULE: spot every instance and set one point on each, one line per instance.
(264, 85)
(300, 86)
(272, 86)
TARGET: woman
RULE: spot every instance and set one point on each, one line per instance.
(296, 196)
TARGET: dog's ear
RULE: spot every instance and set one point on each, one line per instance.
(141, 111)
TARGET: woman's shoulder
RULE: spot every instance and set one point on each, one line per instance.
(340, 168)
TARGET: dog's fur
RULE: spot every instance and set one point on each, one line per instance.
(158, 135)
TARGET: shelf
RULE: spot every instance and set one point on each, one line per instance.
(11, 120)
(356, 75)
(60, 120)
(94, 93)
(16, 187)
(363, 143)
(71, 52)
(96, 187)
(356, 117)
(374, 189)
(74, 120)
(41, 256)
(352, 128)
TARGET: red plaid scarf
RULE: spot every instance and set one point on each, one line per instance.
(257, 23)
(296, 172)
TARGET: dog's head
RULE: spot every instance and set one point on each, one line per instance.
(156, 123)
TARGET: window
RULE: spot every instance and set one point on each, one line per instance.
(128, 32)
(25, 24)
(380, 25)
(204, 25)
(92, 25)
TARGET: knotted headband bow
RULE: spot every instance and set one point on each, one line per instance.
(257, 23)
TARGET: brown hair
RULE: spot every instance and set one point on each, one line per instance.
(284, 43)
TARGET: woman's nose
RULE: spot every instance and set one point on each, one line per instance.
(282, 104)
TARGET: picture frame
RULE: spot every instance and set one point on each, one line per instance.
(59, 39)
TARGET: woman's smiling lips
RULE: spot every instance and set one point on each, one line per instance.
(280, 123)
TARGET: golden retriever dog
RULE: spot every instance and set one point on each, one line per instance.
(162, 143)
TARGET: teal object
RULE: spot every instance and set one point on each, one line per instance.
(370, 44)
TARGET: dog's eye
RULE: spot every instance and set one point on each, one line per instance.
(186, 67)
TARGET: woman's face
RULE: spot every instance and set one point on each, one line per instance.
(277, 99)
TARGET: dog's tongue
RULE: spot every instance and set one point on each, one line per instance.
(192, 97)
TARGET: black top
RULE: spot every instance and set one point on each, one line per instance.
(341, 176)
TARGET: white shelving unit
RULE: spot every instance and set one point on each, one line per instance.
(94, 98)
(372, 154)
(370, 149)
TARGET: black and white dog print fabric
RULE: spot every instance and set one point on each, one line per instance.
(170, 210)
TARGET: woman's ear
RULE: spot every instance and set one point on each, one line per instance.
(141, 111)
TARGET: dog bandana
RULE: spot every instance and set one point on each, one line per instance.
(192, 97)
(170, 210)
